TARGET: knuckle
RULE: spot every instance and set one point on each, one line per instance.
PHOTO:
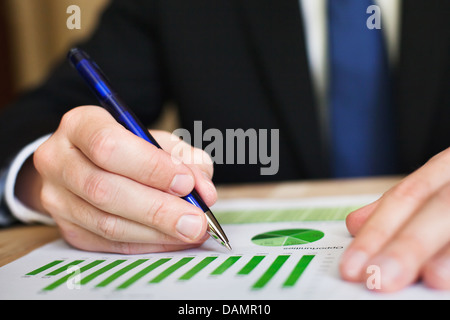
(444, 194)
(125, 248)
(377, 235)
(48, 199)
(209, 162)
(206, 157)
(42, 157)
(109, 227)
(411, 190)
(204, 160)
(154, 215)
(410, 247)
(101, 146)
(152, 167)
(52, 201)
(70, 118)
(97, 189)
(70, 233)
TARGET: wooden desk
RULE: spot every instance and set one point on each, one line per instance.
(17, 241)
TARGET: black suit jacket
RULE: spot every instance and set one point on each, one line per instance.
(243, 64)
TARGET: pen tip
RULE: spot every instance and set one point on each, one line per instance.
(227, 245)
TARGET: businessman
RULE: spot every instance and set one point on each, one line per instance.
(348, 100)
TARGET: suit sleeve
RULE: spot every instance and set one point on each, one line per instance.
(6, 218)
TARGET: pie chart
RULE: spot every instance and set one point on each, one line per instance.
(287, 237)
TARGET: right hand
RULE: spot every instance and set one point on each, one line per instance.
(111, 191)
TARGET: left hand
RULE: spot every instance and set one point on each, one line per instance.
(405, 233)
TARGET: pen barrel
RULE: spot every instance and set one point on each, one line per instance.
(118, 109)
(195, 199)
(107, 96)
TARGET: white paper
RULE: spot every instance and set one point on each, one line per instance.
(95, 278)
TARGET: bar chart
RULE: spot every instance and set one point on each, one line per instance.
(279, 252)
(121, 274)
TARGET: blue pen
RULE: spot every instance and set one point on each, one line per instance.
(109, 99)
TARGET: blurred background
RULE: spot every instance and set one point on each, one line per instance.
(34, 35)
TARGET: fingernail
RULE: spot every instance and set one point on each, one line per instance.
(182, 184)
(206, 176)
(190, 226)
(354, 262)
(390, 271)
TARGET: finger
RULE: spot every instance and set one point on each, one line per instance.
(113, 148)
(181, 151)
(394, 208)
(204, 186)
(133, 201)
(423, 236)
(88, 241)
(113, 227)
(64, 205)
(196, 159)
(356, 219)
(436, 273)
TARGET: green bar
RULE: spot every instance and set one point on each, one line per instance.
(284, 214)
(270, 272)
(142, 273)
(62, 269)
(121, 272)
(251, 265)
(43, 268)
(59, 282)
(95, 274)
(197, 268)
(225, 265)
(298, 270)
(170, 270)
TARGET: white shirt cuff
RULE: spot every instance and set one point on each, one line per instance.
(18, 209)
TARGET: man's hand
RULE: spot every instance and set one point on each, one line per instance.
(109, 190)
(406, 233)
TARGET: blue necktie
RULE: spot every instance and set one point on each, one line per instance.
(361, 115)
